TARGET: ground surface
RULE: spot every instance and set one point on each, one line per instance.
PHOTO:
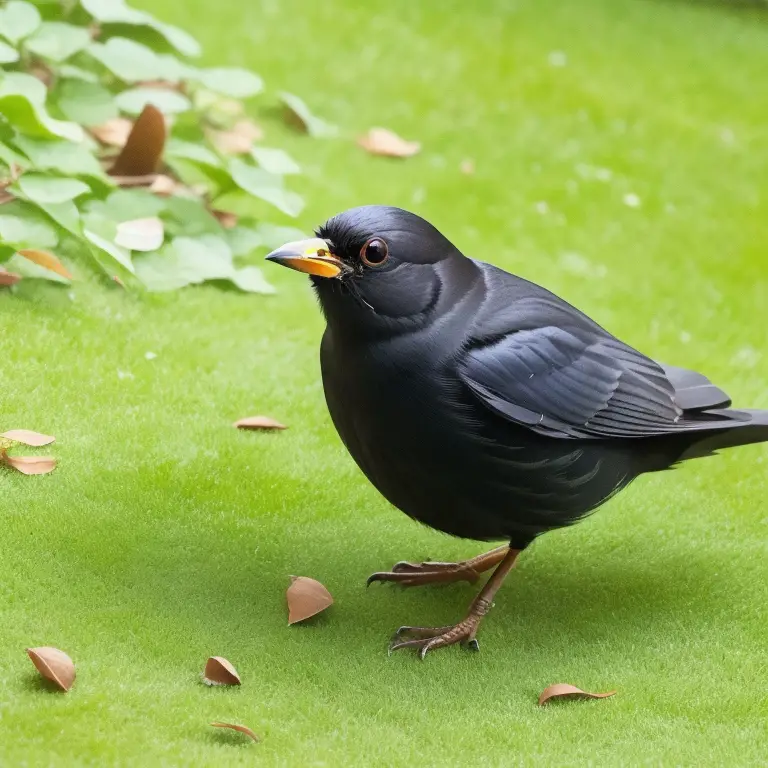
(166, 536)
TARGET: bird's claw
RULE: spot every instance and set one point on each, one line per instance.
(426, 639)
(416, 574)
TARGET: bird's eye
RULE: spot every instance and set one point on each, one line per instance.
(374, 253)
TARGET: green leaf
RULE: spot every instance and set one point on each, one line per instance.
(133, 62)
(22, 225)
(201, 158)
(117, 12)
(51, 189)
(115, 252)
(77, 73)
(85, 103)
(275, 161)
(62, 156)
(8, 54)
(244, 240)
(168, 102)
(22, 103)
(65, 215)
(18, 19)
(313, 125)
(188, 216)
(186, 261)
(57, 41)
(230, 81)
(273, 236)
(127, 204)
(265, 186)
(251, 280)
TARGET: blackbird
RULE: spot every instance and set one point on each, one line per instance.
(483, 405)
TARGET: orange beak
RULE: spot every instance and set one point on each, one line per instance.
(312, 256)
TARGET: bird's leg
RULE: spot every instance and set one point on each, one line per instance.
(416, 574)
(425, 639)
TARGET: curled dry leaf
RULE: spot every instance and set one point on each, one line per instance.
(218, 671)
(8, 278)
(240, 728)
(140, 234)
(45, 259)
(382, 141)
(567, 691)
(143, 148)
(238, 140)
(259, 422)
(30, 465)
(306, 597)
(114, 132)
(28, 437)
(53, 665)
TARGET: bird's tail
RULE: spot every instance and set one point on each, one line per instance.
(753, 429)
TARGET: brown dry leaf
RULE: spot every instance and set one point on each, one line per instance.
(144, 146)
(306, 597)
(45, 259)
(28, 437)
(239, 139)
(227, 219)
(382, 141)
(241, 728)
(5, 197)
(218, 671)
(567, 691)
(8, 278)
(140, 234)
(258, 422)
(164, 185)
(114, 132)
(53, 665)
(30, 465)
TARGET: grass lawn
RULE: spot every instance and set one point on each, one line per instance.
(166, 536)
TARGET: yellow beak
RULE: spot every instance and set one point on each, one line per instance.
(312, 256)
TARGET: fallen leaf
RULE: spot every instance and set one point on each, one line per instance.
(45, 259)
(143, 148)
(566, 691)
(114, 132)
(8, 278)
(227, 219)
(241, 728)
(30, 465)
(381, 141)
(467, 166)
(53, 665)
(258, 422)
(164, 185)
(140, 234)
(28, 437)
(218, 671)
(238, 140)
(306, 597)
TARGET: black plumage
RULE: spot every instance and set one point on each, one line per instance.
(483, 405)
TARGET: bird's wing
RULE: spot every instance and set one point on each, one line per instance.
(544, 365)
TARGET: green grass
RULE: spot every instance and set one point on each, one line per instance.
(166, 536)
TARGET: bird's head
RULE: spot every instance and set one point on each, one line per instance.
(377, 268)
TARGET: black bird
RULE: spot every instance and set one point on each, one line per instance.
(483, 405)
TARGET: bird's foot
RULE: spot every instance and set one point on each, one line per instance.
(426, 639)
(429, 572)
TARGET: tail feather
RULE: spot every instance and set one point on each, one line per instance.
(752, 429)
